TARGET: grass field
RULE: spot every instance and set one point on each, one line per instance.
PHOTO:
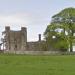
(37, 65)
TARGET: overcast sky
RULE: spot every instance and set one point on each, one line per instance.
(33, 14)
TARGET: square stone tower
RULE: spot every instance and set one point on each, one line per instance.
(15, 40)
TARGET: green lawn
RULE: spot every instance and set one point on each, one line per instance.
(37, 65)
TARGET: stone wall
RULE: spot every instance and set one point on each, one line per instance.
(34, 46)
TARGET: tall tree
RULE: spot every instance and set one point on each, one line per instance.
(64, 21)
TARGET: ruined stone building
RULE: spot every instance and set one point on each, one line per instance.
(17, 40)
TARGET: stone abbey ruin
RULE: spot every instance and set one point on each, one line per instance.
(17, 41)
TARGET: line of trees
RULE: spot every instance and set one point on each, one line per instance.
(60, 33)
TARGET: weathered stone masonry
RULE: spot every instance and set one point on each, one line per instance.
(17, 41)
